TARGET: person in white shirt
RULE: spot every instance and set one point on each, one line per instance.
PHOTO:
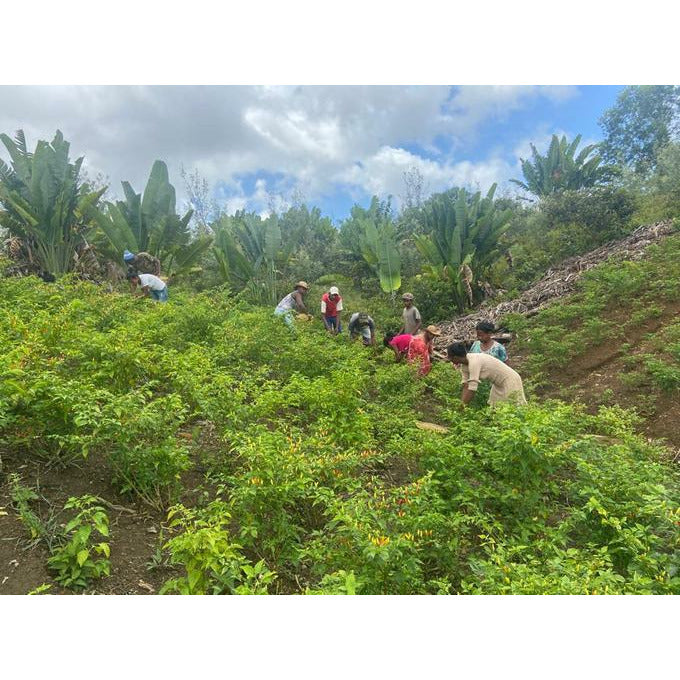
(151, 286)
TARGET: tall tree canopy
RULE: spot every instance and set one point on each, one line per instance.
(643, 120)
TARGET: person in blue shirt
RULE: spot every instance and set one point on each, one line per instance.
(485, 344)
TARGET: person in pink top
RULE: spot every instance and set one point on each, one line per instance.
(398, 343)
(420, 347)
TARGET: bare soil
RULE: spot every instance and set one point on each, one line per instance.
(134, 536)
(595, 378)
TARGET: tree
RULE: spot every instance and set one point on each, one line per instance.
(149, 223)
(559, 170)
(251, 254)
(643, 120)
(205, 208)
(666, 181)
(462, 231)
(314, 239)
(46, 203)
(415, 189)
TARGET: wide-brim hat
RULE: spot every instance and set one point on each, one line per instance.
(433, 330)
(302, 284)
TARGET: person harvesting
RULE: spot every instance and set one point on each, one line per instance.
(506, 384)
(398, 344)
(360, 323)
(293, 302)
(420, 349)
(151, 286)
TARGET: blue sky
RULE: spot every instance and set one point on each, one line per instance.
(259, 147)
(500, 136)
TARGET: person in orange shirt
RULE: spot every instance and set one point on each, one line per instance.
(420, 348)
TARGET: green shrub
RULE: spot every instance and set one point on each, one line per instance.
(213, 564)
(324, 478)
(74, 563)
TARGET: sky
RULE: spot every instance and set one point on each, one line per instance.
(262, 147)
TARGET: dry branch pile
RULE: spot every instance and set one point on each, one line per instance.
(556, 283)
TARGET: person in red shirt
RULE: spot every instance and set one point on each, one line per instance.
(398, 343)
(420, 348)
(331, 304)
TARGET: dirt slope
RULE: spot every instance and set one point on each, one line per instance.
(633, 360)
(557, 282)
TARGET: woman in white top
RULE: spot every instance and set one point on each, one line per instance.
(506, 384)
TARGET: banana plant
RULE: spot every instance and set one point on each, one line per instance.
(559, 170)
(148, 222)
(460, 239)
(251, 254)
(45, 203)
(378, 244)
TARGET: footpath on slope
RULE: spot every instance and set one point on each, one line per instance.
(556, 283)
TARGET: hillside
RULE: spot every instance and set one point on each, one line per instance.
(616, 340)
(291, 462)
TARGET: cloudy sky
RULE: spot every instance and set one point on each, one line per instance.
(333, 145)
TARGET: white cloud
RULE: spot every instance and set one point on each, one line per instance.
(314, 136)
(383, 173)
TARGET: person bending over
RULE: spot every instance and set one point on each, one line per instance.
(398, 343)
(293, 302)
(361, 324)
(151, 286)
(506, 384)
(420, 349)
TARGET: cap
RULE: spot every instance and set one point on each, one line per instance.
(127, 256)
(302, 284)
(362, 319)
(334, 290)
(433, 330)
(407, 296)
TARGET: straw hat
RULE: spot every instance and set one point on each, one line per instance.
(302, 284)
(433, 330)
